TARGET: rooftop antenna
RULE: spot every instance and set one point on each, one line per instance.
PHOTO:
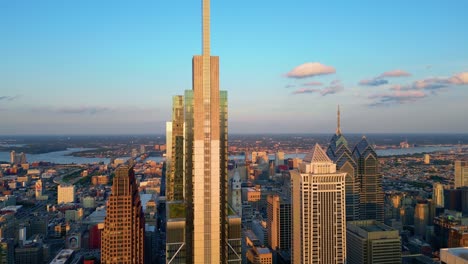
(338, 121)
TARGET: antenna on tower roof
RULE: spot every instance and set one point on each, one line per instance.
(338, 121)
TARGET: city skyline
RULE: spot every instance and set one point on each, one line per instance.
(381, 62)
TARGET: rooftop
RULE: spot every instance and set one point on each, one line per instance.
(461, 252)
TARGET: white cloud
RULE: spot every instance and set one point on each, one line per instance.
(310, 69)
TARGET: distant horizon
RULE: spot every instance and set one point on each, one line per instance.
(241, 134)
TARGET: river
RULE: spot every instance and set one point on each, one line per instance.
(61, 157)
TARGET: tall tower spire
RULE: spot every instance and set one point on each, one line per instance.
(338, 121)
(206, 27)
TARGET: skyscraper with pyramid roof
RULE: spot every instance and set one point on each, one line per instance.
(318, 211)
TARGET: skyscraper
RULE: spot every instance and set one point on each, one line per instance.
(438, 195)
(318, 206)
(339, 152)
(279, 222)
(206, 158)
(461, 174)
(371, 197)
(124, 234)
(175, 163)
(421, 218)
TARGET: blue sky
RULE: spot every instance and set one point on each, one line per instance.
(98, 67)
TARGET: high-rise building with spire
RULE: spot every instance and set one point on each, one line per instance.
(206, 157)
(124, 225)
(371, 204)
(339, 152)
(318, 211)
(203, 228)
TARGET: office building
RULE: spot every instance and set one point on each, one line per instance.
(235, 193)
(461, 173)
(447, 227)
(339, 152)
(13, 157)
(421, 218)
(175, 163)
(259, 157)
(279, 222)
(30, 252)
(427, 159)
(259, 255)
(7, 251)
(371, 193)
(207, 228)
(122, 240)
(65, 194)
(39, 189)
(369, 241)
(454, 255)
(279, 158)
(318, 211)
(438, 195)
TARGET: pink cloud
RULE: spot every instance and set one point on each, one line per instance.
(397, 97)
(459, 79)
(434, 83)
(312, 84)
(394, 73)
(310, 69)
(306, 90)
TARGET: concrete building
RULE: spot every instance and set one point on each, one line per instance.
(123, 236)
(65, 256)
(421, 218)
(39, 189)
(369, 242)
(235, 192)
(7, 251)
(438, 195)
(279, 158)
(259, 255)
(259, 157)
(318, 211)
(454, 255)
(65, 194)
(427, 159)
(461, 173)
(279, 222)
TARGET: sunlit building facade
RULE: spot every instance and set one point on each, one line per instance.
(339, 152)
(124, 225)
(318, 211)
(461, 174)
(197, 168)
